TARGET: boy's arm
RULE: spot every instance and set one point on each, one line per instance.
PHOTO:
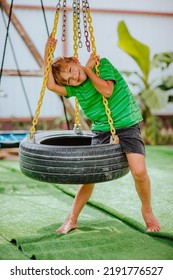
(102, 86)
(51, 85)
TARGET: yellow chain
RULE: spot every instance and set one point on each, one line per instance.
(75, 47)
(75, 37)
(105, 101)
(45, 78)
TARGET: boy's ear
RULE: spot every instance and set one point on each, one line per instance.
(75, 59)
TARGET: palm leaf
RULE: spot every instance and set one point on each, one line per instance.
(138, 51)
(167, 84)
(153, 127)
(154, 98)
(162, 60)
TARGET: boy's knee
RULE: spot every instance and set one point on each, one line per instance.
(140, 174)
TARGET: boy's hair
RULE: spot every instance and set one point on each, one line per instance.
(59, 65)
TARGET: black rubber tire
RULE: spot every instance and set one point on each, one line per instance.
(67, 158)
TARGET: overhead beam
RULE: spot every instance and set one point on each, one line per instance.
(22, 32)
(101, 10)
(25, 73)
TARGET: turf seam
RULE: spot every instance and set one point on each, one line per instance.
(15, 243)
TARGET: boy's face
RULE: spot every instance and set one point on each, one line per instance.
(74, 74)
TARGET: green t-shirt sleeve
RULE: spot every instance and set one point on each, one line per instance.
(107, 71)
(70, 91)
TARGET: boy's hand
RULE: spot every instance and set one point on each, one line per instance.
(51, 42)
(92, 61)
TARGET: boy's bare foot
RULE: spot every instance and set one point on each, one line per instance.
(152, 223)
(67, 226)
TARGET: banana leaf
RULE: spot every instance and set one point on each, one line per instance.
(154, 98)
(137, 50)
(162, 60)
(153, 127)
(167, 83)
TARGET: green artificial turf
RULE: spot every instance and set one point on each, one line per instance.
(9, 251)
(110, 225)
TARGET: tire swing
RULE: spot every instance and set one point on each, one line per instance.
(67, 157)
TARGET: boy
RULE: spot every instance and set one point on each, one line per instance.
(68, 77)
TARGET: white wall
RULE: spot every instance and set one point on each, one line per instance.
(153, 30)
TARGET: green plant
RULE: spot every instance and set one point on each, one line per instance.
(151, 92)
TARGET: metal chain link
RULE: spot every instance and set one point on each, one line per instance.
(75, 48)
(63, 38)
(75, 38)
(105, 101)
(46, 73)
(78, 25)
(86, 34)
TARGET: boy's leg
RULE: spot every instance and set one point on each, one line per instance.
(80, 200)
(142, 183)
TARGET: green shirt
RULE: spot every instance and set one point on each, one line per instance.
(123, 107)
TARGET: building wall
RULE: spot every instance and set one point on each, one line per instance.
(149, 21)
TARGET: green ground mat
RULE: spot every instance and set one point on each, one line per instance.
(110, 226)
(9, 251)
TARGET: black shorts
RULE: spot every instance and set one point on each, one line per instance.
(130, 139)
